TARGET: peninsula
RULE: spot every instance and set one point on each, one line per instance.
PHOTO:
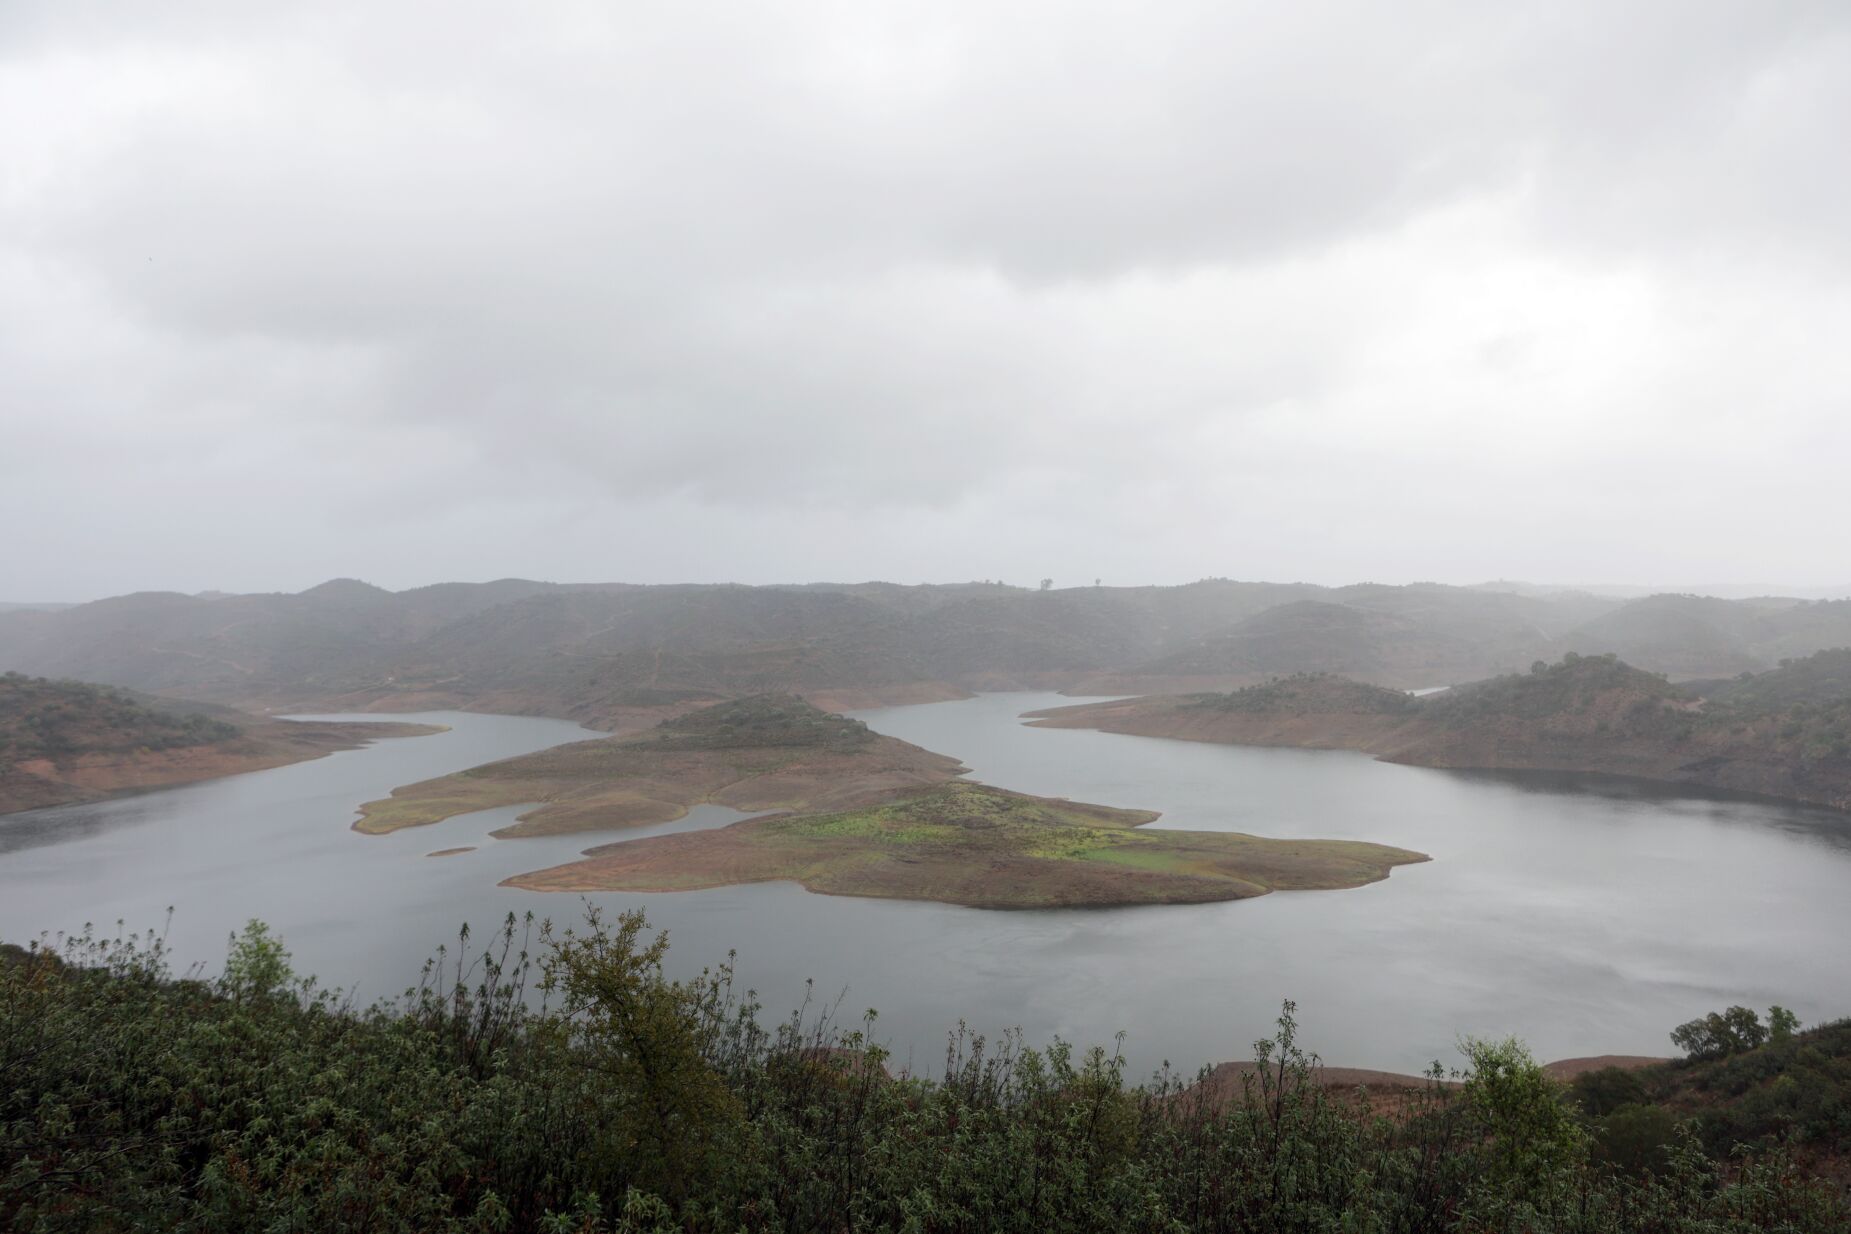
(1785, 733)
(69, 741)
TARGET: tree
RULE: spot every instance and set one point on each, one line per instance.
(1046, 583)
(641, 1035)
(256, 964)
(1532, 1136)
(1720, 1034)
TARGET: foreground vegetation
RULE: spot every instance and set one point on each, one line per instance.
(584, 1091)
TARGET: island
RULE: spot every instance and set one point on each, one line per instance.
(982, 847)
(63, 742)
(857, 813)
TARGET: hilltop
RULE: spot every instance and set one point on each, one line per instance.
(618, 655)
(1786, 733)
(68, 741)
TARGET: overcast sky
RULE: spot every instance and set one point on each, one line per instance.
(936, 291)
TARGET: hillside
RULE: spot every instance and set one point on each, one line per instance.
(1312, 636)
(616, 655)
(628, 1101)
(66, 741)
(1584, 714)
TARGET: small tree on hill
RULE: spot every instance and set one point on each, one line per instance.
(1721, 1033)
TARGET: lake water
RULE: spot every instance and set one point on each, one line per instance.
(1584, 916)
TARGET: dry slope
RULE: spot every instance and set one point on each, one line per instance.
(766, 752)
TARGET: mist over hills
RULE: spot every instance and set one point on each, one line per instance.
(591, 651)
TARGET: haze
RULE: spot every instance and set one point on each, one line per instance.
(945, 291)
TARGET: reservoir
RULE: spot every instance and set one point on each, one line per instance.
(1584, 916)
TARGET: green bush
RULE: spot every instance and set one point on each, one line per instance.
(574, 1087)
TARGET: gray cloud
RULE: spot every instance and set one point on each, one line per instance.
(921, 291)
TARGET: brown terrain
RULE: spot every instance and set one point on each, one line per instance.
(859, 813)
(1590, 714)
(982, 847)
(64, 742)
(766, 752)
(1388, 1093)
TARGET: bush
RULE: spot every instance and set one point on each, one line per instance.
(606, 1097)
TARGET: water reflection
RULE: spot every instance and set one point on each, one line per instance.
(1830, 828)
(62, 824)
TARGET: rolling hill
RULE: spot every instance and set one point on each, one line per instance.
(1783, 734)
(613, 654)
(66, 741)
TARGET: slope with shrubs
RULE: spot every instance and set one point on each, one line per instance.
(585, 1091)
(67, 741)
(1783, 734)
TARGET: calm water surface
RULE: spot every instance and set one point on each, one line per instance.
(1584, 916)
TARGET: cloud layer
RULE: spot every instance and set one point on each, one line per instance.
(704, 291)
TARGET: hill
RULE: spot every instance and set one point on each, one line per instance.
(1584, 714)
(764, 752)
(1314, 636)
(66, 741)
(616, 655)
(1821, 678)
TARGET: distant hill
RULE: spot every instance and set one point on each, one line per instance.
(1821, 678)
(1624, 591)
(64, 741)
(1686, 636)
(1318, 636)
(614, 654)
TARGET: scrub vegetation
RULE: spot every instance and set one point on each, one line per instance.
(66, 741)
(42, 719)
(559, 1081)
(1784, 733)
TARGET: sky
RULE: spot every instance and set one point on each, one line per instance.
(956, 290)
